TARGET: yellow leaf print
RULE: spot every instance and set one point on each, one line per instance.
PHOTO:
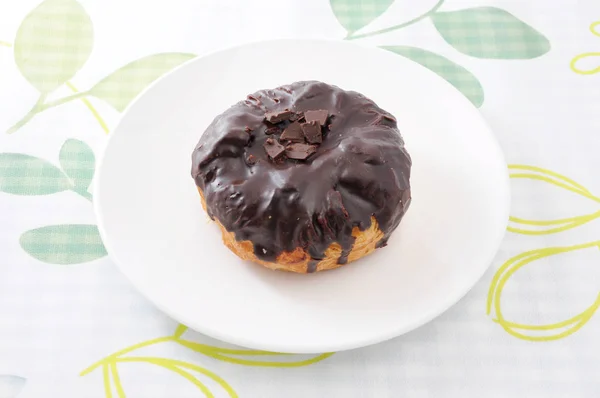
(544, 227)
(190, 371)
(547, 332)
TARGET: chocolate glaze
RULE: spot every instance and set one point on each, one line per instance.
(361, 169)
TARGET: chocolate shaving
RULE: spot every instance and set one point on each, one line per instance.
(319, 116)
(293, 132)
(300, 151)
(274, 149)
(296, 116)
(277, 117)
(312, 132)
(273, 130)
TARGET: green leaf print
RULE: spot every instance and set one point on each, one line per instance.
(53, 42)
(78, 161)
(356, 14)
(27, 175)
(64, 244)
(488, 32)
(453, 73)
(124, 84)
(11, 386)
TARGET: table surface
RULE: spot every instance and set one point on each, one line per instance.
(72, 326)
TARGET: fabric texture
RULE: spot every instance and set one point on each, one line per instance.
(72, 326)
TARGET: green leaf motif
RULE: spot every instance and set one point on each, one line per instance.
(53, 42)
(11, 386)
(64, 244)
(78, 162)
(123, 85)
(453, 73)
(488, 32)
(356, 14)
(27, 175)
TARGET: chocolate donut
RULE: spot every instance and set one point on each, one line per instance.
(304, 177)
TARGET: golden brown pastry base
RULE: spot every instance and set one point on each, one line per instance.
(297, 261)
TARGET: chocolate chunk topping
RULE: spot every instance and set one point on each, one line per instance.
(274, 149)
(297, 116)
(273, 130)
(319, 116)
(312, 132)
(293, 133)
(277, 117)
(300, 151)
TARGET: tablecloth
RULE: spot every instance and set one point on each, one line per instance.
(72, 326)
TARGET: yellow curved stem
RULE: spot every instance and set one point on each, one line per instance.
(558, 180)
(117, 380)
(561, 224)
(202, 348)
(585, 315)
(90, 107)
(550, 173)
(167, 365)
(106, 377)
(557, 183)
(175, 363)
(558, 336)
(247, 362)
(494, 285)
(558, 221)
(124, 351)
(595, 29)
(499, 273)
(578, 58)
(221, 355)
(181, 329)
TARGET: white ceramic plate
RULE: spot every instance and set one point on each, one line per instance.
(154, 228)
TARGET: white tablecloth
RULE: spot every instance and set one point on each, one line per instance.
(527, 329)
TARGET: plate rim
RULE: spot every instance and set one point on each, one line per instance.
(299, 347)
